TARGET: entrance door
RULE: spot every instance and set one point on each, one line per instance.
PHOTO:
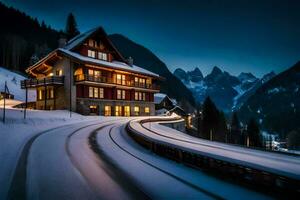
(94, 110)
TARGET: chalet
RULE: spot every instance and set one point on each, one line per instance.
(90, 76)
(162, 101)
(167, 105)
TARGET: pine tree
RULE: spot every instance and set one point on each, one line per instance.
(210, 118)
(235, 130)
(254, 133)
(71, 27)
(222, 128)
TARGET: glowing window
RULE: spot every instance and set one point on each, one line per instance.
(101, 93)
(136, 110)
(127, 111)
(91, 53)
(107, 110)
(118, 110)
(147, 110)
(91, 92)
(96, 94)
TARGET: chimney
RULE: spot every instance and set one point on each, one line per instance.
(62, 42)
(130, 61)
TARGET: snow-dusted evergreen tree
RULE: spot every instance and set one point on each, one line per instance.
(71, 27)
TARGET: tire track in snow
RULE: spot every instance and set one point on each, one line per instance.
(164, 171)
(125, 180)
(17, 189)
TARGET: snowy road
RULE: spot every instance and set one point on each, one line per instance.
(98, 160)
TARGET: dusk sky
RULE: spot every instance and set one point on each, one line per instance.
(238, 36)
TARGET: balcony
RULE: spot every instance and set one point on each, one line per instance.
(106, 80)
(32, 83)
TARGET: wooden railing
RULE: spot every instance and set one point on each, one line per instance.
(103, 79)
(32, 83)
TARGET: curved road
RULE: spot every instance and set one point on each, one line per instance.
(98, 160)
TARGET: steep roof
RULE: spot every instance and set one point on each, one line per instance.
(159, 97)
(78, 40)
(81, 38)
(114, 64)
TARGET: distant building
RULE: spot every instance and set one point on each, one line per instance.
(167, 105)
(90, 76)
(7, 95)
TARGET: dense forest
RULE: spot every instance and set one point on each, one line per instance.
(23, 39)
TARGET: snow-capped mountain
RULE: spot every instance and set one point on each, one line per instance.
(276, 103)
(227, 91)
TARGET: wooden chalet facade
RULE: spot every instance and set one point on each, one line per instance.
(89, 75)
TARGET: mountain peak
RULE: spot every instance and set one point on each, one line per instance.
(216, 70)
(195, 75)
(246, 77)
(180, 74)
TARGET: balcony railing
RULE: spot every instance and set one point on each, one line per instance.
(102, 79)
(32, 83)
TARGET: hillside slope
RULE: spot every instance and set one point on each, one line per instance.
(145, 58)
(13, 81)
(276, 104)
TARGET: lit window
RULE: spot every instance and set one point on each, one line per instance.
(123, 80)
(96, 93)
(123, 94)
(91, 43)
(136, 96)
(101, 93)
(142, 82)
(140, 96)
(51, 74)
(102, 56)
(91, 92)
(59, 72)
(91, 72)
(119, 94)
(91, 53)
(136, 79)
(119, 79)
(107, 110)
(144, 96)
(51, 93)
(136, 110)
(147, 110)
(97, 74)
(118, 110)
(127, 111)
(40, 94)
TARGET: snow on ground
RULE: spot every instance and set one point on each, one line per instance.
(153, 181)
(273, 162)
(14, 85)
(17, 131)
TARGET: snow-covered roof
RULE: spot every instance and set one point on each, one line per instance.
(158, 97)
(79, 39)
(114, 64)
